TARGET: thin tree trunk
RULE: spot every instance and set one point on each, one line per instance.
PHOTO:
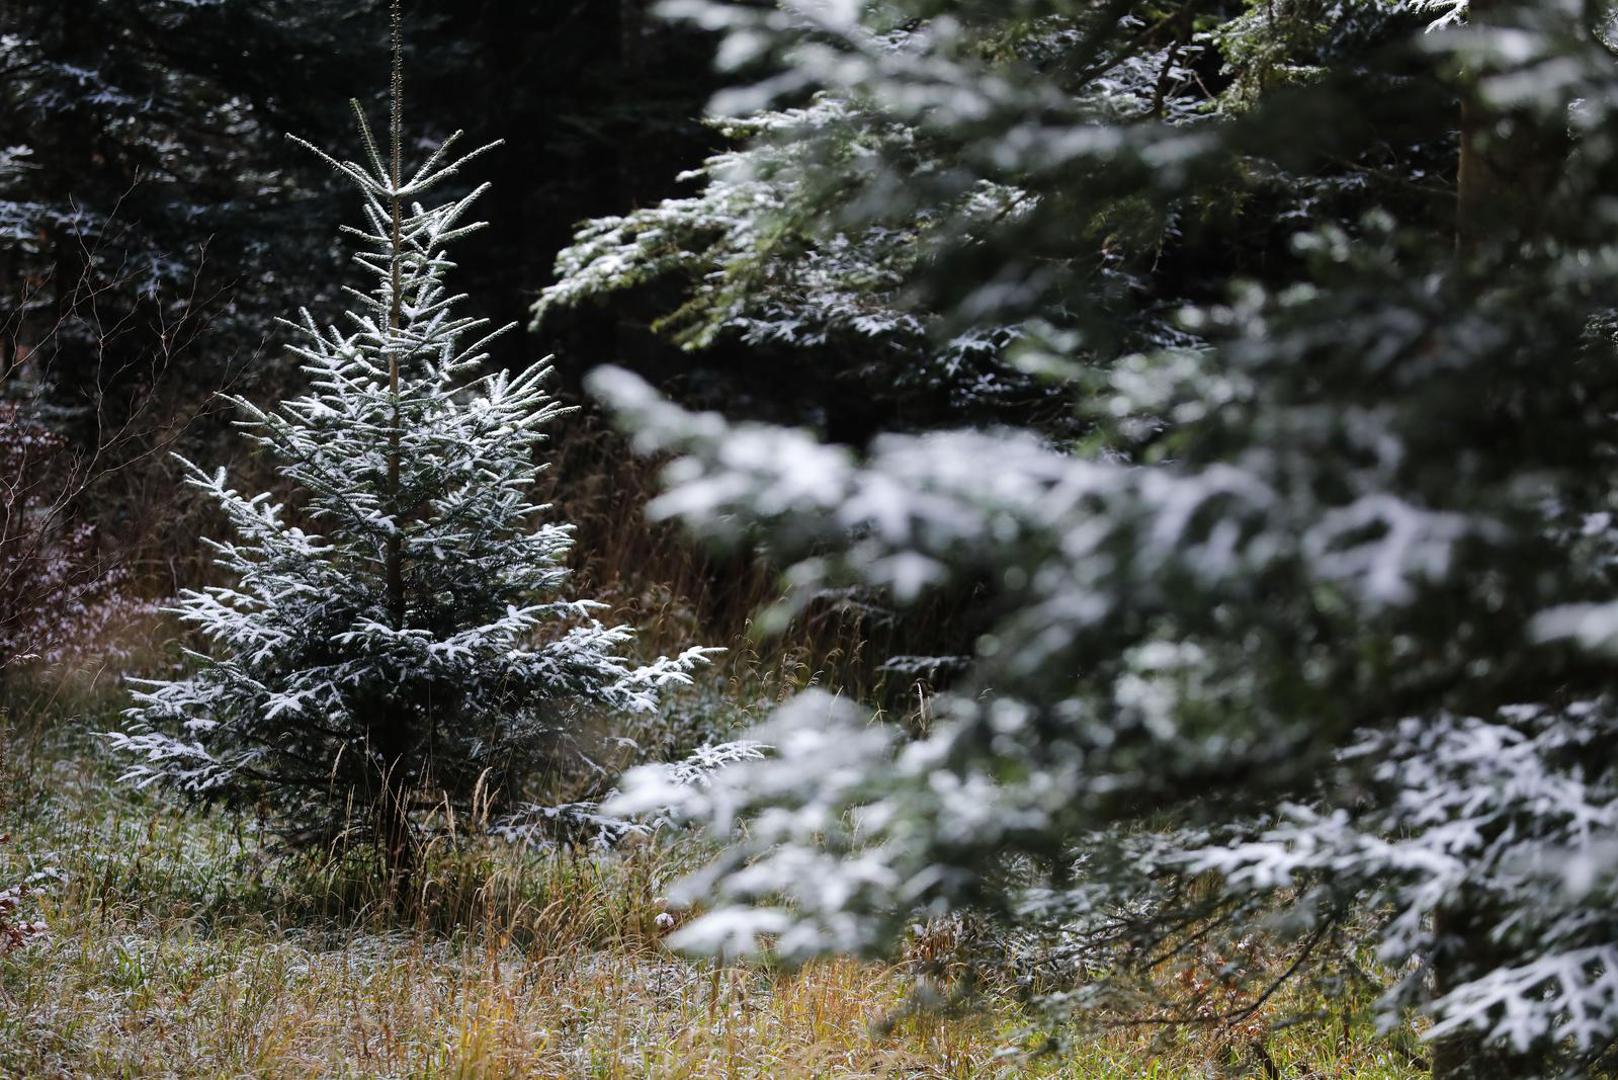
(398, 839)
(1510, 162)
(395, 560)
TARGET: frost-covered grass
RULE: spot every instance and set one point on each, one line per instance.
(179, 946)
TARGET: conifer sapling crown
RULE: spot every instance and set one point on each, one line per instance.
(393, 639)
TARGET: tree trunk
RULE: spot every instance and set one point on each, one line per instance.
(1510, 162)
(397, 837)
(394, 556)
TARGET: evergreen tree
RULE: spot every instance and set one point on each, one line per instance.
(1313, 629)
(847, 244)
(142, 166)
(764, 262)
(151, 182)
(396, 641)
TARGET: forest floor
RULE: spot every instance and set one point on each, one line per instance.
(177, 946)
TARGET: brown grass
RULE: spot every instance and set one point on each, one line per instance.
(180, 945)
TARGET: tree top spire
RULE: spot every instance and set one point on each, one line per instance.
(396, 93)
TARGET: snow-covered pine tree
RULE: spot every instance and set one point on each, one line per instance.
(394, 640)
(1313, 638)
(765, 262)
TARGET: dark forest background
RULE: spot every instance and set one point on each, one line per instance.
(160, 220)
(156, 221)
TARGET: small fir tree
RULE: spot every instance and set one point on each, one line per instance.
(395, 640)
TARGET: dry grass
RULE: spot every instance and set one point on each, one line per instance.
(180, 947)
(677, 592)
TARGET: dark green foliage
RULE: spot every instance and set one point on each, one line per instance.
(1312, 622)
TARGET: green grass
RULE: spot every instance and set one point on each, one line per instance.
(180, 946)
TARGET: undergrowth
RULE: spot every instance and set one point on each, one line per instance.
(184, 945)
